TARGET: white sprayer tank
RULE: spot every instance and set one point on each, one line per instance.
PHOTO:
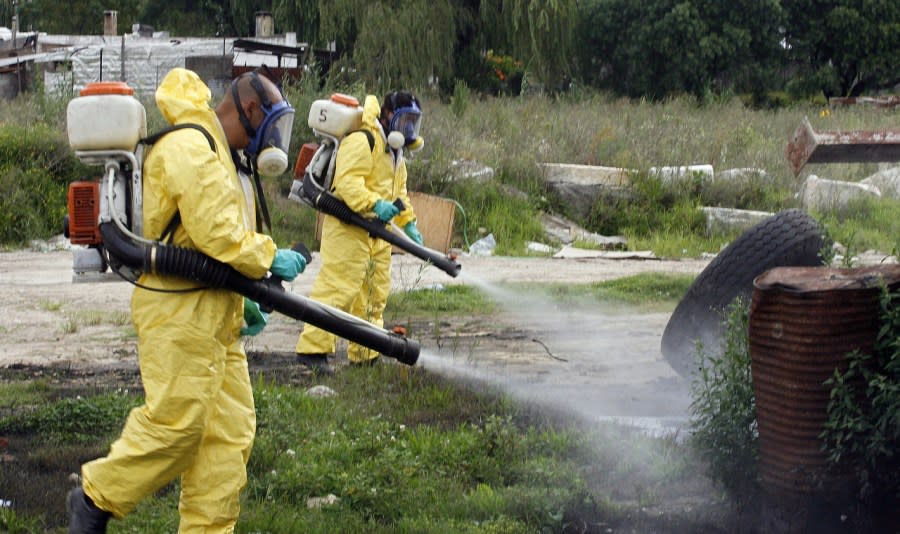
(335, 116)
(105, 116)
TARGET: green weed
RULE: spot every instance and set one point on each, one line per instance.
(50, 305)
(12, 523)
(15, 394)
(647, 290)
(449, 300)
(723, 409)
(77, 319)
(865, 224)
(72, 420)
(862, 432)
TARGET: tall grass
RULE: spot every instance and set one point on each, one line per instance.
(513, 136)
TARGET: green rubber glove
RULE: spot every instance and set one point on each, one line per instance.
(287, 264)
(385, 210)
(413, 232)
(254, 318)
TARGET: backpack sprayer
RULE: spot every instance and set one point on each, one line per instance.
(104, 125)
(331, 120)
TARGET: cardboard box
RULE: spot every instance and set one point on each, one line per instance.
(434, 218)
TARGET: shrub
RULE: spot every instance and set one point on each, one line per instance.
(723, 409)
(36, 165)
(459, 102)
(863, 427)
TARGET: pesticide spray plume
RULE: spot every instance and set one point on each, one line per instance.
(190, 264)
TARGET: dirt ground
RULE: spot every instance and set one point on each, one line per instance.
(47, 319)
(598, 363)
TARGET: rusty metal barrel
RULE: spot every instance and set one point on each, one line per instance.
(803, 323)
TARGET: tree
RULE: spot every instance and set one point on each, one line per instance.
(406, 44)
(74, 16)
(661, 47)
(300, 16)
(844, 47)
(539, 32)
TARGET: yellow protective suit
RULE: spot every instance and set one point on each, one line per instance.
(356, 269)
(198, 418)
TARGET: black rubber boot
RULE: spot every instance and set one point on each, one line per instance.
(317, 363)
(84, 516)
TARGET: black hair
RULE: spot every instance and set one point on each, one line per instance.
(398, 99)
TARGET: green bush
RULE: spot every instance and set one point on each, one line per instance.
(36, 166)
(723, 408)
(648, 206)
(863, 428)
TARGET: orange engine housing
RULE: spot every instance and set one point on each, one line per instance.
(84, 211)
(307, 151)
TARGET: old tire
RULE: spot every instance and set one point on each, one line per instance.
(788, 238)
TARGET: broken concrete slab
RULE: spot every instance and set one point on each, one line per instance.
(726, 220)
(567, 232)
(579, 186)
(683, 172)
(570, 252)
(741, 174)
(887, 181)
(822, 194)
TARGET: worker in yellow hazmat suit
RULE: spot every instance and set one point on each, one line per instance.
(356, 268)
(198, 418)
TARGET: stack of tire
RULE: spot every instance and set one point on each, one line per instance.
(788, 238)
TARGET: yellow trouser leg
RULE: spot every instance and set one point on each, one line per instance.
(210, 488)
(182, 375)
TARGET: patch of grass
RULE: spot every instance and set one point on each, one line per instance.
(447, 300)
(13, 523)
(50, 305)
(72, 420)
(77, 319)
(512, 137)
(647, 290)
(28, 393)
(70, 326)
(644, 288)
(677, 244)
(865, 224)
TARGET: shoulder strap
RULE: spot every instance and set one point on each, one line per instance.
(169, 232)
(153, 138)
(369, 137)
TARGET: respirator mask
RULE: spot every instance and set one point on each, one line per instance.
(270, 142)
(404, 127)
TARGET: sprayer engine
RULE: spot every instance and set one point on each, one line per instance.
(104, 125)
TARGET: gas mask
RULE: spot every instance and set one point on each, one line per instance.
(270, 142)
(404, 127)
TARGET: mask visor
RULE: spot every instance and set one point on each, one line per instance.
(407, 121)
(275, 130)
